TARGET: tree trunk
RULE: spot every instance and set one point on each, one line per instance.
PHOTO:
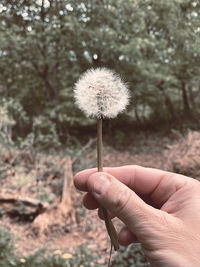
(169, 105)
(7, 129)
(136, 112)
(186, 107)
(191, 97)
(67, 192)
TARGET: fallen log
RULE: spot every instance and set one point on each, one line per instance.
(26, 207)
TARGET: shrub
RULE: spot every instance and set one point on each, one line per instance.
(184, 155)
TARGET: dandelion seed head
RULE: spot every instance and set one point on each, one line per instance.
(67, 256)
(101, 93)
(57, 252)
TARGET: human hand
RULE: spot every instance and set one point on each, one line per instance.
(161, 210)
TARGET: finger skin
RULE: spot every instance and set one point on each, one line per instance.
(90, 202)
(126, 237)
(144, 180)
(157, 184)
(169, 235)
(118, 198)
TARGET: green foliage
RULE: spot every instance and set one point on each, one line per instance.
(84, 256)
(8, 257)
(6, 248)
(44, 196)
(46, 45)
(11, 112)
(44, 131)
(37, 260)
(129, 257)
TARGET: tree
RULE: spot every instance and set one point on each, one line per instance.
(47, 44)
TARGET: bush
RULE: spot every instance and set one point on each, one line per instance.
(184, 155)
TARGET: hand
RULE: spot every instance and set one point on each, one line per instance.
(161, 210)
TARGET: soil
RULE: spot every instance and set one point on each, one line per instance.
(87, 228)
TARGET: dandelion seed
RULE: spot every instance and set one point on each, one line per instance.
(22, 260)
(67, 256)
(101, 93)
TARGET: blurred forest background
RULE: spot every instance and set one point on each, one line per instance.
(45, 45)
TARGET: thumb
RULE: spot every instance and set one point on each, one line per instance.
(122, 201)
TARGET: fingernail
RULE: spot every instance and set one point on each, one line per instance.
(101, 185)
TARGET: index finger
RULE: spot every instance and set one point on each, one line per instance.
(143, 181)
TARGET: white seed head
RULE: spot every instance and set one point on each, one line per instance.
(101, 93)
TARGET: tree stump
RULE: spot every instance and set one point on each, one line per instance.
(58, 214)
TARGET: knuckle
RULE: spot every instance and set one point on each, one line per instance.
(121, 203)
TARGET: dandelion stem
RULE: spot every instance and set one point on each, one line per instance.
(109, 225)
(99, 145)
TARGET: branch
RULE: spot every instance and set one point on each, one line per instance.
(89, 144)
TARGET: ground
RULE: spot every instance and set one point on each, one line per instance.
(86, 228)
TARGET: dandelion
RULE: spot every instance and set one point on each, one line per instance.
(22, 260)
(57, 252)
(67, 256)
(100, 93)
